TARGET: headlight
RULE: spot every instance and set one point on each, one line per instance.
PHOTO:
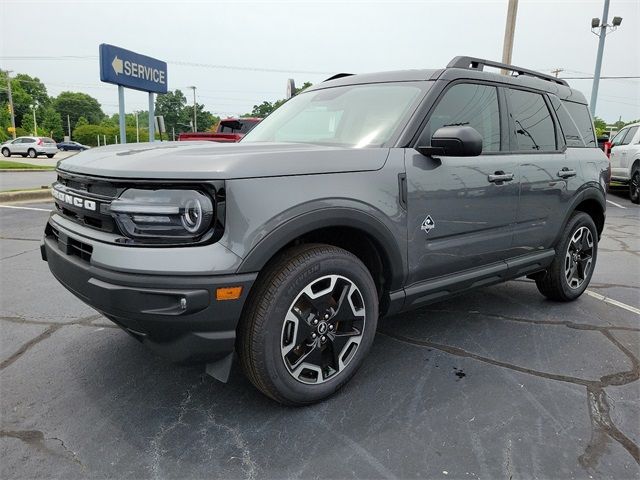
(163, 216)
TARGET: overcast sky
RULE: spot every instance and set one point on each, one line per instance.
(310, 41)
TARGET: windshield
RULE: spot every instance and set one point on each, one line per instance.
(350, 116)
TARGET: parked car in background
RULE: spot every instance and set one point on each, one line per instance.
(625, 159)
(230, 130)
(71, 145)
(30, 147)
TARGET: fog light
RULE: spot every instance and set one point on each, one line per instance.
(228, 293)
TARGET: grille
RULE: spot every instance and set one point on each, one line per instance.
(69, 245)
(99, 191)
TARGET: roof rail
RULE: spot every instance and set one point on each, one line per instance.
(338, 75)
(473, 63)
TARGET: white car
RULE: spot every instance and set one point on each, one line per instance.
(625, 159)
(30, 146)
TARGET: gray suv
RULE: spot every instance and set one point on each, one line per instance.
(364, 196)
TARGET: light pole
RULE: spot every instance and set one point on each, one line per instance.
(195, 121)
(35, 123)
(137, 130)
(602, 27)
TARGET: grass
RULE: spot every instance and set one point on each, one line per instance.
(9, 165)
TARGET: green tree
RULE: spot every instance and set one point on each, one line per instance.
(266, 107)
(52, 123)
(34, 88)
(204, 118)
(76, 104)
(82, 121)
(171, 106)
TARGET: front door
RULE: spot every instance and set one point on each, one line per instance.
(461, 210)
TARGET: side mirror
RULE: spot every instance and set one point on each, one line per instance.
(454, 141)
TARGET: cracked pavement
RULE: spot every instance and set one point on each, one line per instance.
(495, 383)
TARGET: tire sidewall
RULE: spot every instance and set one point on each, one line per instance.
(576, 222)
(6, 152)
(277, 372)
(32, 153)
(635, 199)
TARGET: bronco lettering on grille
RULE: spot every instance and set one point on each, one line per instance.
(73, 200)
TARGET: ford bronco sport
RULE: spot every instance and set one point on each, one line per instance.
(363, 196)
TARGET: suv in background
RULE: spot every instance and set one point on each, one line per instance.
(362, 196)
(625, 159)
(30, 147)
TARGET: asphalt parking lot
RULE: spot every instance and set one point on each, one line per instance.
(497, 383)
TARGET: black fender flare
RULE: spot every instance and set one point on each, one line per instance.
(317, 219)
(589, 193)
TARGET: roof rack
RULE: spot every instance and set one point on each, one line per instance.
(338, 75)
(472, 63)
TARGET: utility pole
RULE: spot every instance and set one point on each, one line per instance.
(602, 27)
(557, 71)
(509, 31)
(69, 127)
(195, 121)
(13, 118)
(35, 123)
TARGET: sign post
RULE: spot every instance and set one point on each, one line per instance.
(132, 70)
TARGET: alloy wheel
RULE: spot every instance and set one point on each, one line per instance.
(579, 257)
(322, 329)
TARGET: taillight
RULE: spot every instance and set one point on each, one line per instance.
(39, 141)
(607, 149)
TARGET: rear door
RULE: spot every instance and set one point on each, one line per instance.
(548, 176)
(459, 217)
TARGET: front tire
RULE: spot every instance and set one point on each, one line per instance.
(50, 155)
(6, 152)
(309, 323)
(634, 185)
(32, 153)
(570, 272)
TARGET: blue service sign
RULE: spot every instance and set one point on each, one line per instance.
(132, 70)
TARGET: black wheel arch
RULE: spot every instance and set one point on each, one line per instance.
(329, 225)
(592, 201)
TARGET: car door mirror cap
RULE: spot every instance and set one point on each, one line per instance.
(454, 141)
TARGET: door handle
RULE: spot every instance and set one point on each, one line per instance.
(500, 176)
(566, 173)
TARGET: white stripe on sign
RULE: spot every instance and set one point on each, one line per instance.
(26, 208)
(616, 204)
(616, 303)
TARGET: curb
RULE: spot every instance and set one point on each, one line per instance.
(22, 195)
(9, 170)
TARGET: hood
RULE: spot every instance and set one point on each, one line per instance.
(209, 160)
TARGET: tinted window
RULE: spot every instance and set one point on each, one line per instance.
(48, 140)
(472, 105)
(582, 118)
(628, 138)
(572, 135)
(531, 121)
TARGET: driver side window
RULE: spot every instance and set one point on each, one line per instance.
(470, 105)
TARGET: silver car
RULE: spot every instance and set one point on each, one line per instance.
(30, 146)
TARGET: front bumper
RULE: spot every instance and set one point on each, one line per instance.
(177, 316)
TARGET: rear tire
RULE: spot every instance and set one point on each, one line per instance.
(50, 155)
(6, 152)
(634, 185)
(308, 324)
(32, 153)
(570, 272)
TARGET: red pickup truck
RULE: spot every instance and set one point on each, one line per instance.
(230, 130)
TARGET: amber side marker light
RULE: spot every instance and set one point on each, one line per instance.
(228, 293)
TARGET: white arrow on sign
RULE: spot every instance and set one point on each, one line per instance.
(117, 65)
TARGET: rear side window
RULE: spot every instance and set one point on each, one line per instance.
(582, 119)
(468, 104)
(572, 135)
(48, 140)
(531, 122)
(628, 138)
